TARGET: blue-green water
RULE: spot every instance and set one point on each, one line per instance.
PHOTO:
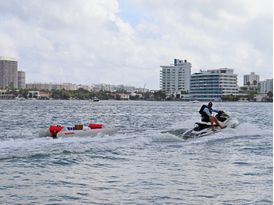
(139, 164)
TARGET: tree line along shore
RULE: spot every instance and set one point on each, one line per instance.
(82, 94)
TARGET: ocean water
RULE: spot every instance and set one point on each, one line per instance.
(139, 164)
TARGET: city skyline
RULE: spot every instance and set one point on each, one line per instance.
(12, 79)
(125, 42)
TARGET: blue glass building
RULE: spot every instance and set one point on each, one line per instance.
(213, 84)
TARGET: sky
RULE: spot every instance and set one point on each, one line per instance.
(126, 42)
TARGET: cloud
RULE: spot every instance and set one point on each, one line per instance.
(213, 34)
(125, 42)
(7, 45)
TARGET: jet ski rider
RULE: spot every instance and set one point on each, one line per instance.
(206, 114)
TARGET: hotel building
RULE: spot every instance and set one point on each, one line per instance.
(266, 86)
(8, 73)
(175, 79)
(213, 84)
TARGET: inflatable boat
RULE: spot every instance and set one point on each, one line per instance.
(56, 131)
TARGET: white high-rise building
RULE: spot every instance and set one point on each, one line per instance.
(251, 79)
(266, 86)
(8, 73)
(175, 79)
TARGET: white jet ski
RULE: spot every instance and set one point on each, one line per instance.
(56, 131)
(204, 128)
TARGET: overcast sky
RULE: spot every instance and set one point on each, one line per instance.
(126, 41)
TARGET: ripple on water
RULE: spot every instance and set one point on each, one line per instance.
(141, 164)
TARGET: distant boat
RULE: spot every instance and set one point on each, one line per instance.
(243, 100)
(20, 98)
(95, 99)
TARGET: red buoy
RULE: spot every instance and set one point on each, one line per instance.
(95, 126)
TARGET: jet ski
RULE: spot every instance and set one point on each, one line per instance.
(204, 128)
(79, 130)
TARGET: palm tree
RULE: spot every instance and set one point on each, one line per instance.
(270, 94)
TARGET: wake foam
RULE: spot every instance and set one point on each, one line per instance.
(242, 130)
(25, 148)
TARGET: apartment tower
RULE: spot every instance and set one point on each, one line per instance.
(175, 78)
(8, 73)
(251, 79)
(21, 79)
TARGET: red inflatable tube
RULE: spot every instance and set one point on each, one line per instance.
(54, 129)
(95, 126)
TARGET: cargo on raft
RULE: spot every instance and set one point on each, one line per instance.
(79, 130)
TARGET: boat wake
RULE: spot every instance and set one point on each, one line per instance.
(31, 147)
(243, 130)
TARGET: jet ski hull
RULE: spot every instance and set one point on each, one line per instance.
(200, 133)
(203, 129)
